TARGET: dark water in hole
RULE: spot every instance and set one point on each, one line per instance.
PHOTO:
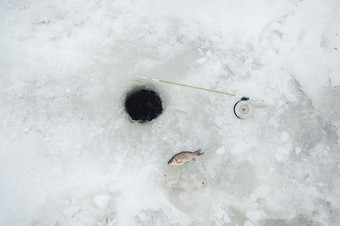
(143, 105)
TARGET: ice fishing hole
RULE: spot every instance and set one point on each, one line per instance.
(143, 105)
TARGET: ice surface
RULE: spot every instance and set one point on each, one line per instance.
(69, 155)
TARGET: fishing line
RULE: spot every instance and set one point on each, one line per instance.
(190, 86)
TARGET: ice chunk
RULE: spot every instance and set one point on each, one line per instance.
(201, 60)
(285, 136)
(338, 132)
(248, 223)
(262, 191)
(255, 215)
(220, 151)
(226, 218)
(101, 200)
(335, 78)
(282, 154)
(297, 150)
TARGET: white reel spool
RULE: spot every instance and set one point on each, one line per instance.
(243, 109)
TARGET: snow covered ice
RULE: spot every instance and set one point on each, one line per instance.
(69, 155)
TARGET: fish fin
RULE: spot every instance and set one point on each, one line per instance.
(198, 152)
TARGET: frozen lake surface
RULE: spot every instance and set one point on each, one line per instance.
(69, 155)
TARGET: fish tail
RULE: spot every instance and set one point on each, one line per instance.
(198, 152)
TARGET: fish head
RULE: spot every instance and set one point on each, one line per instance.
(175, 162)
(172, 161)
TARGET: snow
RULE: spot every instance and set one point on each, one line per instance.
(69, 155)
(101, 200)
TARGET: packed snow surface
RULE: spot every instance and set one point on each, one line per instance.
(70, 155)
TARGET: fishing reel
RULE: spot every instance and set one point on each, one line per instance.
(244, 108)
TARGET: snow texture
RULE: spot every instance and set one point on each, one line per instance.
(69, 155)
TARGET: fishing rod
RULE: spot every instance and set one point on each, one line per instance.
(189, 86)
(242, 109)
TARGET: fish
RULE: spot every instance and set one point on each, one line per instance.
(184, 157)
